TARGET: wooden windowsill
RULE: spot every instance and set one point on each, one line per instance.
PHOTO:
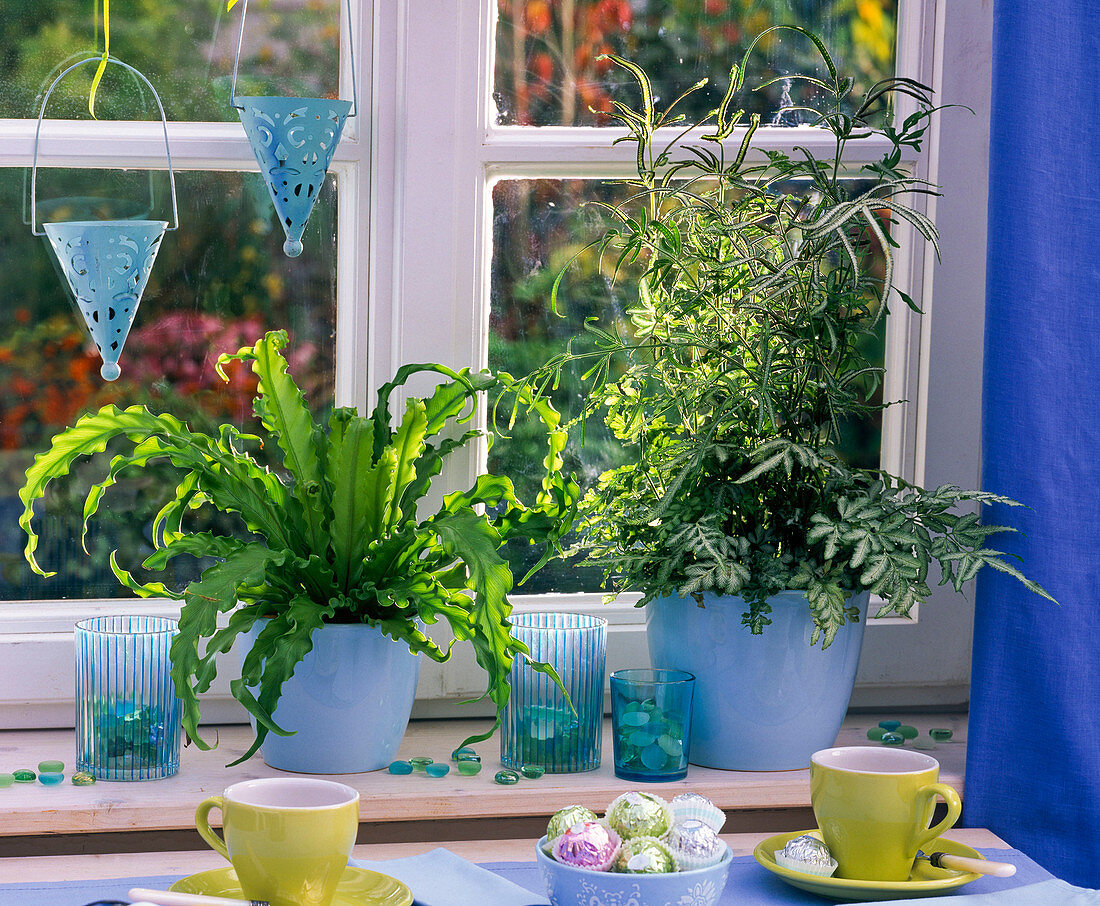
(119, 817)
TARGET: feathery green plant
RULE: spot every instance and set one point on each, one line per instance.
(760, 277)
(336, 539)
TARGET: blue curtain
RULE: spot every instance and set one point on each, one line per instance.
(1033, 765)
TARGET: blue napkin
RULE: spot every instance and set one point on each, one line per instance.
(440, 878)
(1054, 892)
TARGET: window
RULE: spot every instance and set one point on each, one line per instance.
(473, 116)
(219, 281)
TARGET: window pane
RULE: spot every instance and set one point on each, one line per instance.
(538, 226)
(218, 283)
(185, 49)
(547, 72)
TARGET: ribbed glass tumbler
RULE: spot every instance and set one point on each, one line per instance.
(539, 727)
(127, 712)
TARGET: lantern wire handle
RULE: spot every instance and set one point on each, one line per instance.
(351, 55)
(38, 131)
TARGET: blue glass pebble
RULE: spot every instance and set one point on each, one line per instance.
(889, 725)
(893, 739)
(50, 779)
(464, 752)
(400, 767)
(437, 770)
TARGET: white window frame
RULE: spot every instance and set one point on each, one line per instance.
(36, 637)
(413, 285)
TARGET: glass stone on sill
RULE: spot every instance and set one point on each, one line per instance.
(437, 769)
(875, 734)
(51, 767)
(893, 739)
(6, 780)
(463, 753)
(420, 762)
(908, 732)
(506, 778)
(82, 778)
(51, 778)
(24, 776)
(889, 725)
(940, 734)
(924, 744)
(532, 771)
(469, 767)
(400, 767)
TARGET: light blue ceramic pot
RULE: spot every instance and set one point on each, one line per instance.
(349, 701)
(762, 702)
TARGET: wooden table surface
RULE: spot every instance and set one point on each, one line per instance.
(754, 800)
(116, 865)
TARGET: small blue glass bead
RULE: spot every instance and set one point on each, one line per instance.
(464, 752)
(889, 725)
(50, 779)
(893, 739)
(437, 770)
(400, 767)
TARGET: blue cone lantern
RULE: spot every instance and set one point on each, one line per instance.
(293, 140)
(106, 263)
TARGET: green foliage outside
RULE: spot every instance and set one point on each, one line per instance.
(332, 536)
(221, 277)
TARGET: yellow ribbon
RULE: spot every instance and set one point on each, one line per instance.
(232, 3)
(103, 61)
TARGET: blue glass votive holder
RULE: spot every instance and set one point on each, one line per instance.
(127, 713)
(540, 727)
(651, 723)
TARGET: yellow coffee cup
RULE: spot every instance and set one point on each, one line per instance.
(288, 838)
(873, 806)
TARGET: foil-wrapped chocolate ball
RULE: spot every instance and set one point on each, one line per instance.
(587, 844)
(645, 855)
(807, 854)
(692, 806)
(639, 815)
(695, 845)
(565, 818)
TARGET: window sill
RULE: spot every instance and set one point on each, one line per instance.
(120, 817)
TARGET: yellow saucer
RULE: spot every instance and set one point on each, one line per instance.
(924, 881)
(358, 887)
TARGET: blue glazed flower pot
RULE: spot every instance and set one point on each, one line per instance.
(349, 701)
(762, 702)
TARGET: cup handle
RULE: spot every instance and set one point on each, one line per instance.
(202, 824)
(954, 809)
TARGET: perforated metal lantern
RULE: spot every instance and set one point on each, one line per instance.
(294, 140)
(106, 263)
